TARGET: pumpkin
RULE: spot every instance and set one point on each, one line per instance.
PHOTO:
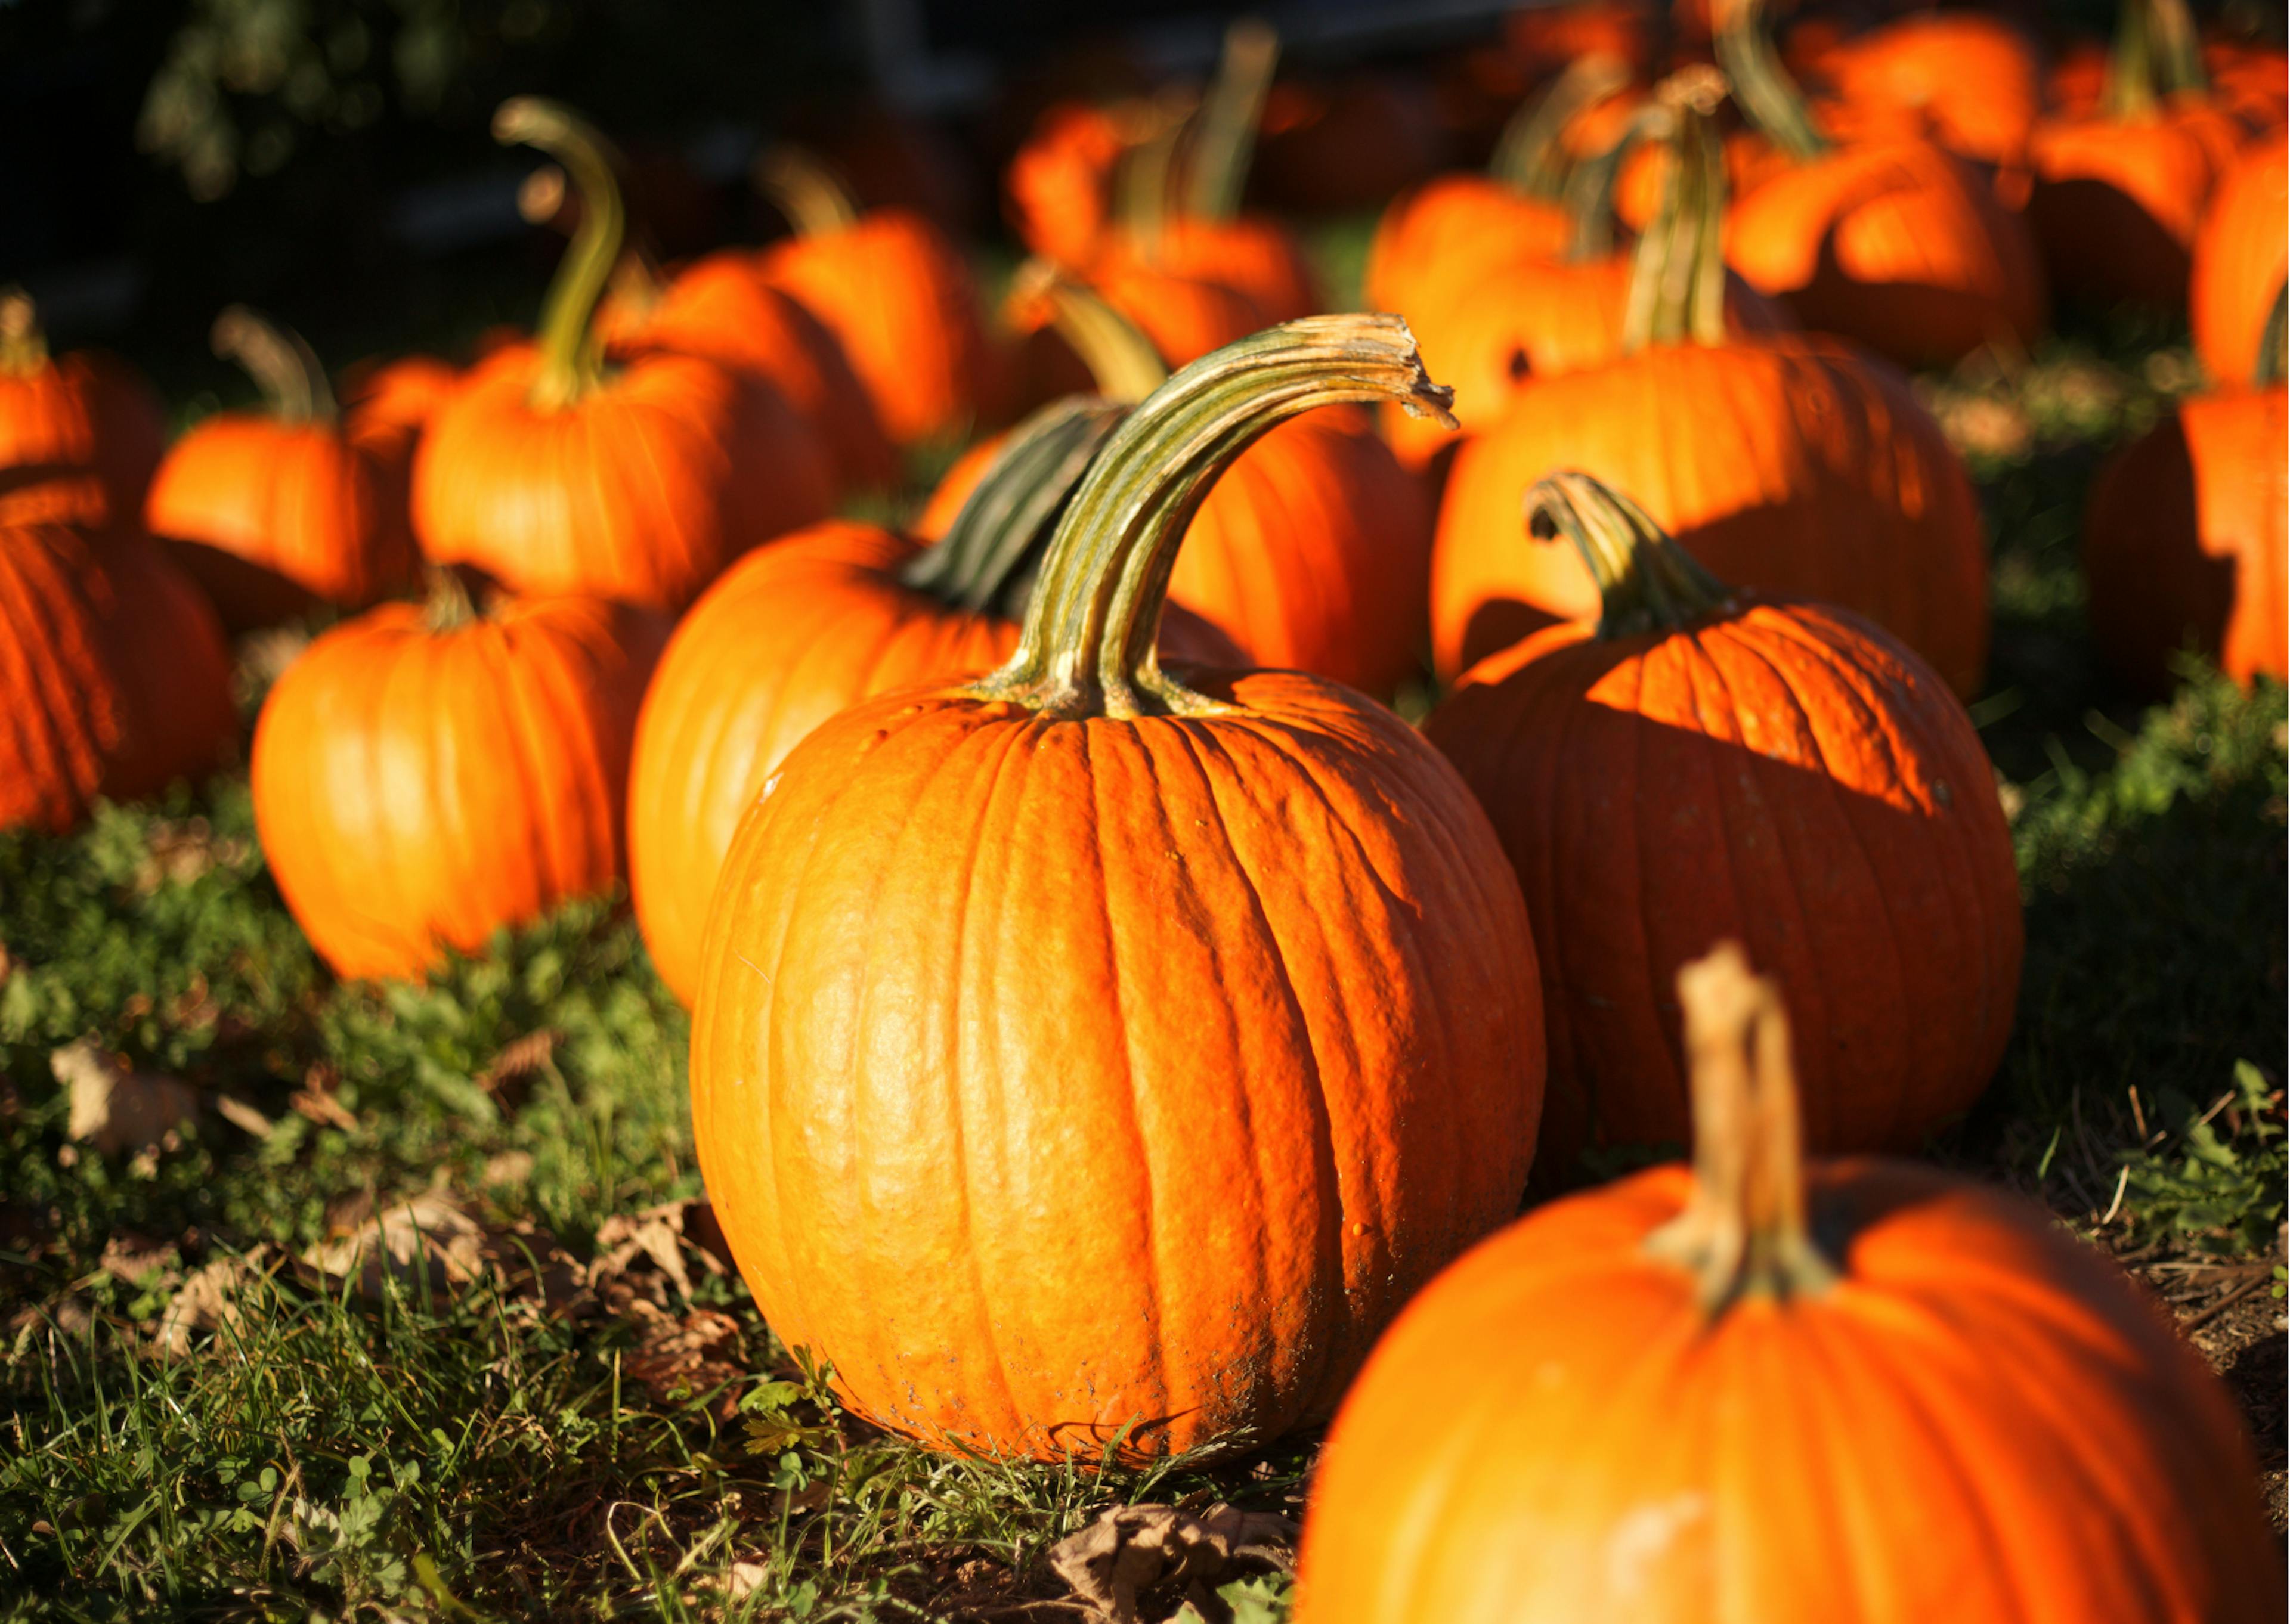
(1312, 552)
(79, 435)
(1970, 81)
(2183, 540)
(1092, 1058)
(2119, 191)
(1699, 764)
(2239, 260)
(1893, 242)
(424, 775)
(1796, 465)
(1057, 192)
(891, 287)
(1765, 1387)
(269, 510)
(391, 402)
(113, 670)
(809, 627)
(556, 473)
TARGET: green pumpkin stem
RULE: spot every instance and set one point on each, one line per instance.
(571, 364)
(1088, 645)
(447, 605)
(1530, 154)
(294, 383)
(1646, 582)
(1589, 188)
(2272, 362)
(1119, 357)
(1677, 274)
(989, 556)
(637, 279)
(1761, 84)
(23, 347)
(803, 189)
(1148, 170)
(1743, 1232)
(2156, 54)
(1224, 139)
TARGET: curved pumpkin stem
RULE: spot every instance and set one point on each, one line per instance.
(1225, 139)
(1761, 84)
(1743, 1231)
(1119, 357)
(2272, 362)
(292, 381)
(988, 559)
(1088, 646)
(1678, 277)
(1142, 187)
(803, 189)
(2156, 53)
(542, 201)
(570, 365)
(447, 605)
(1647, 582)
(23, 347)
(1530, 154)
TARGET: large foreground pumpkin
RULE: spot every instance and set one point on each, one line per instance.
(424, 774)
(1096, 1056)
(79, 434)
(1764, 1389)
(1700, 763)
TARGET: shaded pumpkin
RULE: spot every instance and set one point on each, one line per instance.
(1644, 1392)
(1176, 1023)
(80, 434)
(113, 670)
(2240, 257)
(272, 510)
(554, 472)
(424, 775)
(1970, 81)
(1700, 763)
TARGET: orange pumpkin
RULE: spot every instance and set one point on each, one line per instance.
(1057, 194)
(2239, 260)
(79, 435)
(554, 473)
(424, 775)
(1796, 465)
(1763, 1389)
(1178, 1022)
(1969, 80)
(1795, 777)
(270, 510)
(891, 288)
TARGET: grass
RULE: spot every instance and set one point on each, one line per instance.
(530, 1420)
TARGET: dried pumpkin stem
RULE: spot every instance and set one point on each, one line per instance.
(988, 558)
(1761, 84)
(805, 190)
(294, 383)
(1743, 1231)
(1646, 582)
(541, 200)
(447, 605)
(570, 364)
(1530, 154)
(1678, 275)
(1225, 139)
(1120, 358)
(1088, 646)
(23, 347)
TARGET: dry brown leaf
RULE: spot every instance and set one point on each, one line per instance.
(430, 1232)
(176, 853)
(116, 1107)
(510, 1168)
(526, 1055)
(315, 1099)
(130, 1257)
(744, 1577)
(241, 1116)
(1131, 1549)
(663, 1233)
(696, 1354)
(207, 1301)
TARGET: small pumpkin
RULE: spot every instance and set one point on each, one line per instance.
(1058, 191)
(1971, 81)
(1700, 763)
(272, 510)
(1770, 1389)
(556, 472)
(424, 774)
(1796, 465)
(79, 434)
(2240, 258)
(113, 671)
(1179, 1023)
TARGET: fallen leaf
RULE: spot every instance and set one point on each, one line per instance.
(207, 1301)
(744, 1578)
(316, 1101)
(176, 853)
(130, 1257)
(526, 1055)
(663, 1235)
(241, 1116)
(430, 1232)
(510, 1168)
(116, 1107)
(677, 1358)
(1131, 1549)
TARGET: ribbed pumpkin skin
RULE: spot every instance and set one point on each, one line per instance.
(93, 422)
(2183, 541)
(1256, 256)
(899, 297)
(2117, 201)
(1786, 776)
(1138, 1070)
(1437, 236)
(1972, 78)
(114, 677)
(2240, 256)
(1894, 244)
(721, 308)
(414, 789)
(1793, 465)
(1983, 1421)
(1186, 317)
(643, 490)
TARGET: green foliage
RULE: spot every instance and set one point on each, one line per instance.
(2217, 1177)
